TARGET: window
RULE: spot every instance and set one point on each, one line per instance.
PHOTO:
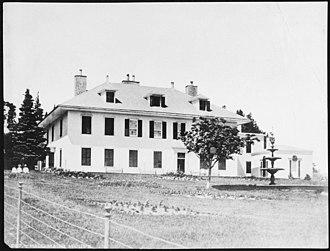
(178, 129)
(110, 97)
(157, 100)
(248, 147)
(248, 166)
(202, 163)
(47, 135)
(133, 127)
(108, 157)
(61, 127)
(204, 105)
(52, 133)
(157, 159)
(85, 156)
(157, 129)
(60, 157)
(265, 142)
(133, 158)
(86, 125)
(108, 126)
(222, 164)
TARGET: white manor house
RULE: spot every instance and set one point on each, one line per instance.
(131, 128)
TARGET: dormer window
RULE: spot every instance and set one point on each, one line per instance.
(110, 96)
(157, 100)
(204, 105)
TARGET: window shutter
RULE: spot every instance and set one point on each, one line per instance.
(163, 102)
(112, 126)
(183, 127)
(151, 129)
(164, 130)
(139, 128)
(208, 105)
(175, 130)
(127, 127)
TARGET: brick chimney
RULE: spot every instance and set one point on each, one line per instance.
(191, 89)
(80, 83)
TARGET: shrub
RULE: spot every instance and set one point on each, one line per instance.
(307, 177)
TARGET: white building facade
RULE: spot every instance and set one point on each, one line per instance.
(130, 128)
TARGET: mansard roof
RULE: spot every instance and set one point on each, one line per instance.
(132, 98)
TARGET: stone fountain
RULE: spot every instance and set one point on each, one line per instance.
(272, 159)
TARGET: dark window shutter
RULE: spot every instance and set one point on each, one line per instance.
(126, 127)
(61, 127)
(201, 105)
(208, 105)
(151, 129)
(163, 102)
(183, 127)
(164, 130)
(175, 130)
(139, 128)
(112, 127)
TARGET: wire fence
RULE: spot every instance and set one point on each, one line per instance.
(27, 225)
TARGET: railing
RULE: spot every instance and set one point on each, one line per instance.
(25, 213)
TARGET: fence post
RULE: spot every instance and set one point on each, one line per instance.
(18, 227)
(107, 227)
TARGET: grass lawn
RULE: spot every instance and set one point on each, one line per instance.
(227, 218)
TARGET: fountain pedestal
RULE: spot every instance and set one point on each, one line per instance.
(272, 159)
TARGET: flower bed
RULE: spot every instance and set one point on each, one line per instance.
(179, 176)
(76, 174)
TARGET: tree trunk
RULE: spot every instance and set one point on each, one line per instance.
(208, 184)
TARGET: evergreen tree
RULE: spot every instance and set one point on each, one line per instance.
(10, 158)
(250, 127)
(30, 143)
(24, 148)
(41, 141)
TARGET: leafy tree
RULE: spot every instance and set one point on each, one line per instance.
(250, 127)
(212, 140)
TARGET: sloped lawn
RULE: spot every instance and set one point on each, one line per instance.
(225, 218)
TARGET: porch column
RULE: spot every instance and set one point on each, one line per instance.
(47, 162)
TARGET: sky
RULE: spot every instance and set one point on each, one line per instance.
(269, 59)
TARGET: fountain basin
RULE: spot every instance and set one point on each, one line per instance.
(272, 170)
(273, 158)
